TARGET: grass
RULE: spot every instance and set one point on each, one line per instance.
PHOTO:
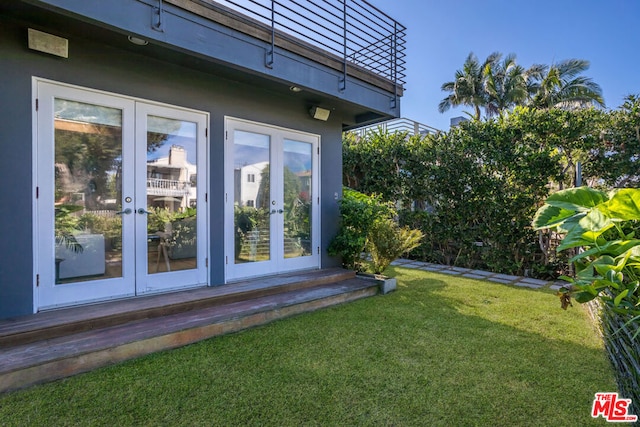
(440, 350)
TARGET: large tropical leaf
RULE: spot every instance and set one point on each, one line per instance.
(578, 199)
(614, 248)
(624, 205)
(550, 216)
(586, 231)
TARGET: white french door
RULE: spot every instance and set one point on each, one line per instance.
(272, 199)
(120, 207)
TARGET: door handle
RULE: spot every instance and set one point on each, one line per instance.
(142, 211)
(125, 212)
(280, 211)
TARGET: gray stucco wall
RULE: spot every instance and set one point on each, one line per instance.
(102, 67)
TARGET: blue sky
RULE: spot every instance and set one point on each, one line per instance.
(441, 34)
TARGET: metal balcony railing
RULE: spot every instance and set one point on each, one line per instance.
(411, 127)
(354, 30)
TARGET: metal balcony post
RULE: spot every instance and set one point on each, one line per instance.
(342, 84)
(394, 64)
(268, 61)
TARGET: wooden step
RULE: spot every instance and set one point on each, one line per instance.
(55, 323)
(31, 363)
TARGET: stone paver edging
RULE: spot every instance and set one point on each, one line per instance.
(525, 282)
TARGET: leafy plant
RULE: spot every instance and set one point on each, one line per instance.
(368, 229)
(386, 241)
(110, 227)
(358, 214)
(65, 225)
(157, 219)
(247, 219)
(609, 266)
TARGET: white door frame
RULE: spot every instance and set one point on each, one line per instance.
(278, 263)
(134, 278)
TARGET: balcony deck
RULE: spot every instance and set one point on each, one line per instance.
(349, 36)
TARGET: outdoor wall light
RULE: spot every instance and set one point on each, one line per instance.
(319, 113)
(138, 41)
(295, 89)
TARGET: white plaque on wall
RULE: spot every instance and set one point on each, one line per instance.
(48, 43)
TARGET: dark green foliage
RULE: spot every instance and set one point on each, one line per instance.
(617, 159)
(358, 214)
(479, 185)
(474, 190)
(375, 164)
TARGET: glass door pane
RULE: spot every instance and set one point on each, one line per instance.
(297, 179)
(88, 191)
(171, 195)
(271, 221)
(252, 197)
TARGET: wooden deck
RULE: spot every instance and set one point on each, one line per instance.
(60, 343)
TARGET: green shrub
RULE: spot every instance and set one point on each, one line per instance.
(358, 212)
(386, 241)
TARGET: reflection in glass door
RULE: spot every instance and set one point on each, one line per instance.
(171, 209)
(297, 174)
(271, 213)
(121, 197)
(252, 197)
(88, 191)
(84, 230)
(172, 171)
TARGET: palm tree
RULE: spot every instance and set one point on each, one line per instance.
(498, 85)
(561, 85)
(468, 88)
(506, 84)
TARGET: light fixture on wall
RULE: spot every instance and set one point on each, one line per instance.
(319, 113)
(295, 89)
(137, 41)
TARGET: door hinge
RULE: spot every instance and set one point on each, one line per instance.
(318, 199)
(37, 192)
(206, 197)
(206, 262)
(226, 260)
(226, 135)
(318, 151)
(206, 132)
(318, 250)
(226, 198)
(37, 104)
(37, 280)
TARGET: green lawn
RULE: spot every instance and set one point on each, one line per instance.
(440, 350)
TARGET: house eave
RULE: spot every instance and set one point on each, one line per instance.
(208, 36)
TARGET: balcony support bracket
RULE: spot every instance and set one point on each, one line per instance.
(268, 57)
(342, 83)
(157, 17)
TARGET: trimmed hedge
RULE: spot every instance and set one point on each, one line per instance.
(473, 191)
